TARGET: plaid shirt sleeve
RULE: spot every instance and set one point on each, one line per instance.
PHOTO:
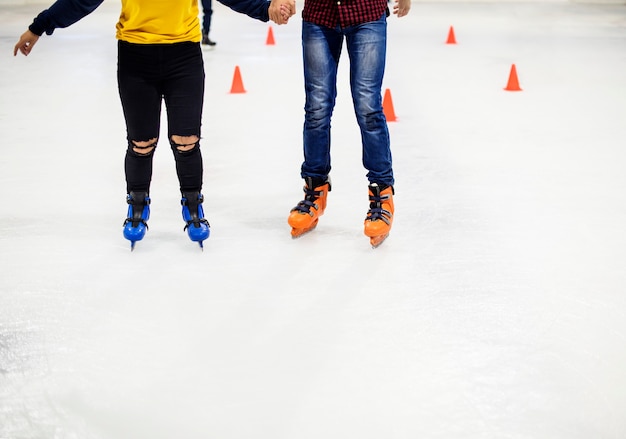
(344, 13)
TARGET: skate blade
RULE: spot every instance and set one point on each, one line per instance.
(132, 245)
(376, 241)
(200, 243)
(296, 233)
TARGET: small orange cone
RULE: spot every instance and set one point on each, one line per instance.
(237, 86)
(390, 115)
(451, 37)
(270, 37)
(513, 84)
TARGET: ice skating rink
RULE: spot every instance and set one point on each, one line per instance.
(496, 309)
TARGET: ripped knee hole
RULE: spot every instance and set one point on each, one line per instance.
(184, 143)
(144, 147)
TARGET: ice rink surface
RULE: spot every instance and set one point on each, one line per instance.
(496, 309)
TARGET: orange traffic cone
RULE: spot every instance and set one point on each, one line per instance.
(237, 86)
(513, 84)
(451, 37)
(390, 115)
(270, 37)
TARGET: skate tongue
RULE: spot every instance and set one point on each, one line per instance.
(377, 189)
(313, 182)
(194, 214)
(190, 199)
(137, 214)
(138, 201)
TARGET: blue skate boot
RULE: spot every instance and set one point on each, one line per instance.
(135, 225)
(197, 227)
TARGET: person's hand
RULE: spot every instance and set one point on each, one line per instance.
(401, 7)
(281, 10)
(26, 43)
(288, 9)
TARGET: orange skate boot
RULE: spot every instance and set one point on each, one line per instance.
(380, 216)
(303, 218)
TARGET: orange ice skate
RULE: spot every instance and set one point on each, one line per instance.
(303, 218)
(380, 216)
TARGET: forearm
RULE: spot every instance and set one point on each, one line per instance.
(257, 9)
(62, 13)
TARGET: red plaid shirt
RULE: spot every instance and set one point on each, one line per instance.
(344, 13)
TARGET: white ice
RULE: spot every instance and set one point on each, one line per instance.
(496, 308)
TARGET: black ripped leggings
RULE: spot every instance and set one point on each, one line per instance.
(148, 74)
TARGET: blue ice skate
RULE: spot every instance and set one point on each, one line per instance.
(197, 227)
(135, 225)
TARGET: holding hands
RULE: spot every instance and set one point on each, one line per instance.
(281, 10)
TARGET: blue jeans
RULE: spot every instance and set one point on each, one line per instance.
(321, 48)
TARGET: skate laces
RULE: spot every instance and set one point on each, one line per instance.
(376, 211)
(310, 198)
(313, 190)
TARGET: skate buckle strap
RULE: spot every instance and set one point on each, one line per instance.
(139, 201)
(192, 200)
(135, 222)
(376, 212)
(196, 223)
(310, 196)
(137, 217)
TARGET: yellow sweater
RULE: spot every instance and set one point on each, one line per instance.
(159, 21)
(145, 21)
